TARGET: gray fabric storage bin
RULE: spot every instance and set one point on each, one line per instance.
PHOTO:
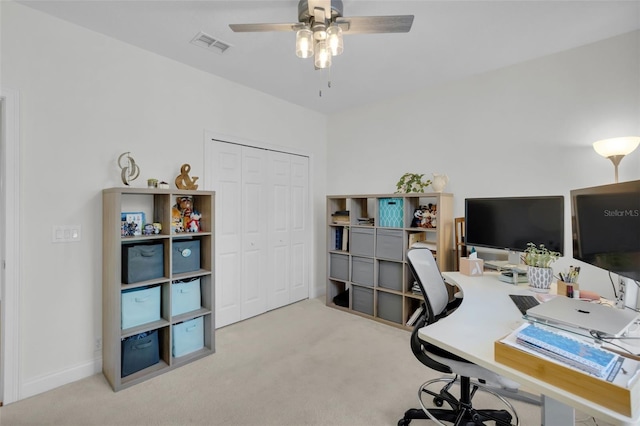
(389, 244)
(361, 242)
(390, 307)
(339, 266)
(390, 275)
(362, 299)
(141, 262)
(362, 271)
(139, 352)
(185, 256)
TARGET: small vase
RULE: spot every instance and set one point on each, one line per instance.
(539, 279)
(439, 182)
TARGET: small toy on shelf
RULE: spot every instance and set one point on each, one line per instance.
(193, 224)
(181, 213)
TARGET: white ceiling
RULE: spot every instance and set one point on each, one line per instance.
(449, 40)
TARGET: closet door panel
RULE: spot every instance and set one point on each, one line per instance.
(227, 175)
(300, 229)
(254, 232)
(279, 233)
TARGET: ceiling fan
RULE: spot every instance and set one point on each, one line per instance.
(321, 25)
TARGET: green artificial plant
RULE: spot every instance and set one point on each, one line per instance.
(412, 182)
(539, 256)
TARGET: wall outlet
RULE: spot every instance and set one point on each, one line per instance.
(622, 293)
(97, 346)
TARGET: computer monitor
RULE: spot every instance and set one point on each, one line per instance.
(509, 223)
(606, 227)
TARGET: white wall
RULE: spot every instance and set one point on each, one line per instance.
(85, 99)
(522, 130)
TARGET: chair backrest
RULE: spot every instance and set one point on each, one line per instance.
(434, 290)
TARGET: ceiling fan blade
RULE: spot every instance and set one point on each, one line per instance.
(376, 24)
(244, 28)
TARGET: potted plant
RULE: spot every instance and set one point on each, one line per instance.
(538, 260)
(412, 182)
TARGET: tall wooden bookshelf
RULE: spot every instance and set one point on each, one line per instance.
(157, 205)
(368, 237)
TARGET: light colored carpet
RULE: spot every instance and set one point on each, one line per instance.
(304, 364)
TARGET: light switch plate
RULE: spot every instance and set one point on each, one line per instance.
(66, 233)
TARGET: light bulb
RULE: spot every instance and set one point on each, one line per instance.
(334, 36)
(323, 55)
(304, 43)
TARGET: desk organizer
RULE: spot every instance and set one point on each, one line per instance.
(620, 399)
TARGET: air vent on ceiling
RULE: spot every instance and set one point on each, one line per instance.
(211, 43)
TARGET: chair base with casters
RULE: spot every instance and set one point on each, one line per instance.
(461, 411)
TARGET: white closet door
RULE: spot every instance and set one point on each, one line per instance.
(263, 233)
(254, 231)
(279, 217)
(226, 167)
(300, 226)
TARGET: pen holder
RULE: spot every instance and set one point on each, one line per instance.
(471, 267)
(562, 287)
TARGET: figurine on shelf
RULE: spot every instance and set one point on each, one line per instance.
(193, 224)
(180, 214)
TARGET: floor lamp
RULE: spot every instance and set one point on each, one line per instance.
(616, 148)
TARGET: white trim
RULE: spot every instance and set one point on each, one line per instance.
(10, 320)
(59, 378)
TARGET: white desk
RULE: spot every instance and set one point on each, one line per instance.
(488, 314)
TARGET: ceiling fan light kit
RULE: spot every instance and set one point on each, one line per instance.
(321, 26)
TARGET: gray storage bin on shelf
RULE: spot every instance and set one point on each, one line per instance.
(339, 266)
(362, 241)
(362, 299)
(362, 271)
(389, 244)
(139, 352)
(390, 307)
(141, 262)
(390, 275)
(186, 256)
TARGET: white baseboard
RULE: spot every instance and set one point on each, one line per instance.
(51, 381)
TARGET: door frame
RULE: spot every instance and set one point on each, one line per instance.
(10, 247)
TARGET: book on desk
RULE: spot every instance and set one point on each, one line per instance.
(611, 379)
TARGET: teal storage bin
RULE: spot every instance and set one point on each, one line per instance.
(390, 212)
(185, 296)
(188, 337)
(140, 306)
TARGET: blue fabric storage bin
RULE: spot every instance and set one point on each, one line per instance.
(140, 306)
(186, 256)
(139, 352)
(390, 212)
(141, 262)
(185, 296)
(188, 337)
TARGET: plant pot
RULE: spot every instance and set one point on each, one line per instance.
(539, 278)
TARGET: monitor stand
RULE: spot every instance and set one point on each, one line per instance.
(514, 258)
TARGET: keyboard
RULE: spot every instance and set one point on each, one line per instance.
(524, 302)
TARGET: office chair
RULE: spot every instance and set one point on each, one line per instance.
(461, 411)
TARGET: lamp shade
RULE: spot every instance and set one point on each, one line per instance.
(323, 55)
(616, 146)
(334, 38)
(304, 43)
